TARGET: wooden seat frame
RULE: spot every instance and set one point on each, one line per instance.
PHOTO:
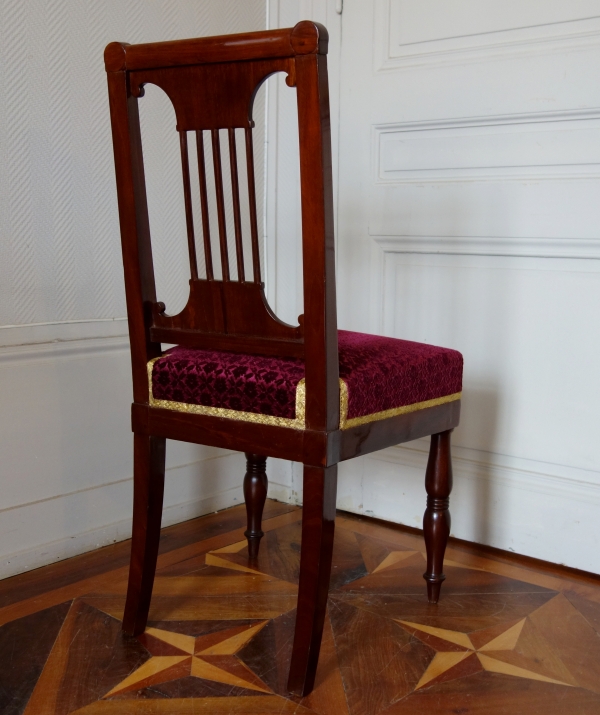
(212, 83)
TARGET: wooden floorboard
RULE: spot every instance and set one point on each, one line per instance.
(94, 563)
(510, 635)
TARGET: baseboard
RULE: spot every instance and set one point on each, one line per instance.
(180, 481)
(283, 493)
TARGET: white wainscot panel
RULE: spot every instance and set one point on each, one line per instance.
(66, 453)
(532, 508)
(414, 29)
(527, 472)
(521, 147)
(518, 176)
(524, 326)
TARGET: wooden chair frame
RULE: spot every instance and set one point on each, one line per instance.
(231, 68)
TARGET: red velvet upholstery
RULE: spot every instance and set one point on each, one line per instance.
(385, 373)
(248, 383)
(381, 374)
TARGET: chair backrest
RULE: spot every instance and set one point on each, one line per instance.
(212, 83)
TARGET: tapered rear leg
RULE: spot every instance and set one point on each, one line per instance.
(255, 495)
(436, 521)
(148, 490)
(318, 524)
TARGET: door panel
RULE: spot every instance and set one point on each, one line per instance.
(468, 216)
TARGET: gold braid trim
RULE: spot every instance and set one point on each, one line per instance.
(405, 409)
(300, 420)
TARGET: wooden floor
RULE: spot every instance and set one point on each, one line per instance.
(508, 636)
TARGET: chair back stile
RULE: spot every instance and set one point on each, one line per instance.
(322, 401)
(212, 84)
(140, 286)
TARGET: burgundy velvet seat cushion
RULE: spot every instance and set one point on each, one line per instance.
(380, 374)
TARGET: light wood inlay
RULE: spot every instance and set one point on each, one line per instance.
(203, 669)
(233, 644)
(461, 639)
(497, 666)
(507, 640)
(394, 558)
(147, 672)
(184, 643)
(232, 548)
(440, 664)
(212, 560)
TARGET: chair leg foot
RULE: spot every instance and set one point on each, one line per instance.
(433, 591)
(318, 525)
(148, 490)
(436, 521)
(255, 495)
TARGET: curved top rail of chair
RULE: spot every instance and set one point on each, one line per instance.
(305, 38)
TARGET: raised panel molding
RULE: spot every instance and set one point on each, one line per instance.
(527, 475)
(538, 146)
(410, 32)
(507, 316)
(61, 332)
(528, 177)
(577, 248)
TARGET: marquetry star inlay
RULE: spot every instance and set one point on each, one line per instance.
(213, 558)
(209, 657)
(511, 649)
(397, 559)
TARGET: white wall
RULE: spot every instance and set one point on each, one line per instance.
(283, 238)
(468, 216)
(502, 265)
(65, 440)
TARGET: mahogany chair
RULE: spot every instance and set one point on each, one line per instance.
(240, 378)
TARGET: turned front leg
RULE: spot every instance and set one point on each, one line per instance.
(255, 495)
(436, 521)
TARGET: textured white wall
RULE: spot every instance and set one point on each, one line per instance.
(65, 441)
(60, 253)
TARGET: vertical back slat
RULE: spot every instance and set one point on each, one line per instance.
(204, 205)
(187, 195)
(237, 218)
(216, 150)
(252, 202)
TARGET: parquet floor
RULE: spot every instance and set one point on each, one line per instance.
(505, 638)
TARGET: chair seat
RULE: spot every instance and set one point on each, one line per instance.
(379, 377)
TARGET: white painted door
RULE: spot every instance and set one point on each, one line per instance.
(469, 217)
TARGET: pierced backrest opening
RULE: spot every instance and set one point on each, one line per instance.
(216, 99)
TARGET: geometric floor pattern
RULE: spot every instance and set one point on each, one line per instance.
(504, 639)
